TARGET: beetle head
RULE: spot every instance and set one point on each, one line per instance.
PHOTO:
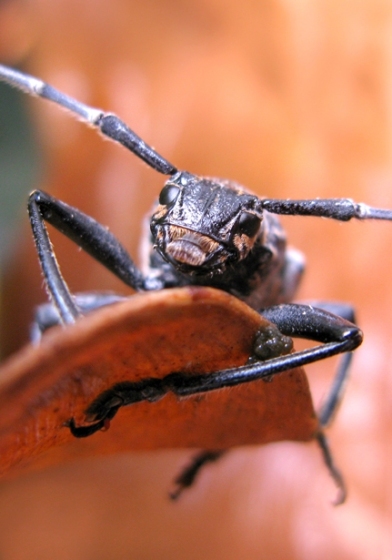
(203, 224)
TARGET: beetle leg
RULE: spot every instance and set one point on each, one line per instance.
(91, 236)
(334, 397)
(306, 322)
(55, 284)
(332, 468)
(302, 321)
(336, 392)
(89, 430)
(106, 405)
(341, 309)
(187, 476)
(47, 316)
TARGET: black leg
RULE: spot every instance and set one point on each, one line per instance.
(91, 236)
(57, 288)
(341, 309)
(188, 475)
(337, 334)
(47, 316)
(332, 401)
(294, 320)
(332, 468)
(336, 392)
(303, 321)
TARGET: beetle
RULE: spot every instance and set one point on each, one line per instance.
(203, 232)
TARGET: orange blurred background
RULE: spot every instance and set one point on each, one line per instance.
(292, 99)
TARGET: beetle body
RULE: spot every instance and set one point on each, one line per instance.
(204, 232)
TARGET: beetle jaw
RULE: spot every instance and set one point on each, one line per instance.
(190, 248)
(190, 252)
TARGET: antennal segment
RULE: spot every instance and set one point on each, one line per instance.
(110, 125)
(342, 209)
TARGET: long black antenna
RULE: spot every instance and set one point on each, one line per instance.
(110, 125)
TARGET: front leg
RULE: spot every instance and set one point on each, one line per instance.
(271, 357)
(335, 394)
(88, 234)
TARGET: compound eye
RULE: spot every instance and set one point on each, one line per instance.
(168, 195)
(248, 224)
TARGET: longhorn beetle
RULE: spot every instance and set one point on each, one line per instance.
(209, 232)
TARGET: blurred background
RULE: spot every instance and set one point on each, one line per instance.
(291, 99)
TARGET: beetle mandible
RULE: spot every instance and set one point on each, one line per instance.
(203, 232)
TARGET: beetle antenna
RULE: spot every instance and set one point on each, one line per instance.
(342, 209)
(110, 125)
